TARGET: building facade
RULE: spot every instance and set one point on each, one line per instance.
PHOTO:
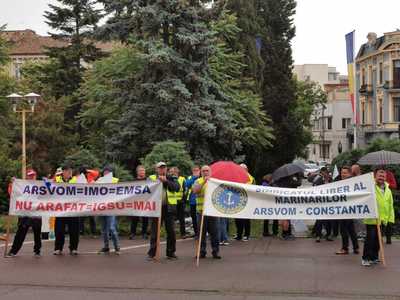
(331, 121)
(378, 87)
(26, 45)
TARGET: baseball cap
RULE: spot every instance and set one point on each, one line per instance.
(30, 172)
(108, 168)
(161, 164)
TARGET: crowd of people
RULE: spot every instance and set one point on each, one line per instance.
(184, 196)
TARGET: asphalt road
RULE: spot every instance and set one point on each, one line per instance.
(266, 268)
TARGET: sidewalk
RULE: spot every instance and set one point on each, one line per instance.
(259, 268)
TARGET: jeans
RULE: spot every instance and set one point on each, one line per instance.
(23, 226)
(371, 244)
(319, 224)
(222, 229)
(108, 226)
(193, 215)
(210, 225)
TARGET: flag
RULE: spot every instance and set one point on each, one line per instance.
(350, 68)
(335, 172)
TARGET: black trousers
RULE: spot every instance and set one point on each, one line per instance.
(73, 231)
(347, 230)
(210, 225)
(193, 215)
(180, 211)
(319, 224)
(275, 227)
(134, 224)
(242, 225)
(335, 227)
(371, 244)
(387, 230)
(168, 213)
(92, 225)
(23, 226)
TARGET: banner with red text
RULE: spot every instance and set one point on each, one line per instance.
(43, 198)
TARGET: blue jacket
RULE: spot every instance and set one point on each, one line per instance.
(188, 187)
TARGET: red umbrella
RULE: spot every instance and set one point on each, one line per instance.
(229, 171)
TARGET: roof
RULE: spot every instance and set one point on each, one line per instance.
(27, 42)
(379, 44)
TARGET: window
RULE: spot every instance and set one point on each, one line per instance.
(363, 76)
(396, 109)
(17, 70)
(329, 122)
(396, 74)
(324, 151)
(346, 123)
(332, 76)
(380, 73)
(380, 111)
(363, 113)
(370, 75)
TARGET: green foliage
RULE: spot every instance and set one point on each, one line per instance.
(172, 153)
(83, 158)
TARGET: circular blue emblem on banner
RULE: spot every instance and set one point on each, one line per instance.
(228, 199)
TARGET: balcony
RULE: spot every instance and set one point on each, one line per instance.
(366, 89)
(392, 86)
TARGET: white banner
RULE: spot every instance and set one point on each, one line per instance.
(40, 198)
(352, 198)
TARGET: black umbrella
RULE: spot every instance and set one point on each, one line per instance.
(288, 170)
(380, 158)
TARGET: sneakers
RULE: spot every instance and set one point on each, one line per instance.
(342, 252)
(237, 238)
(224, 243)
(318, 240)
(117, 251)
(132, 236)
(104, 250)
(10, 255)
(73, 252)
(150, 258)
(245, 239)
(37, 254)
(172, 257)
(57, 252)
(365, 263)
(216, 256)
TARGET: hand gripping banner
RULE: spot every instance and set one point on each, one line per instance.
(39, 198)
(352, 198)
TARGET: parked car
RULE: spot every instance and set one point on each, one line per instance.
(310, 169)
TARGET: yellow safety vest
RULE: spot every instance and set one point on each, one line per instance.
(251, 180)
(172, 200)
(200, 196)
(60, 179)
(115, 180)
(177, 196)
(385, 206)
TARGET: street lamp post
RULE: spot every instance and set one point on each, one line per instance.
(18, 100)
(21, 101)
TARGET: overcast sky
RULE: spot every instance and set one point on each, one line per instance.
(320, 24)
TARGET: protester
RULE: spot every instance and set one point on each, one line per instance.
(140, 175)
(209, 223)
(91, 176)
(109, 224)
(293, 182)
(267, 181)
(244, 224)
(180, 200)
(168, 212)
(71, 222)
(322, 178)
(384, 200)
(23, 226)
(346, 226)
(356, 170)
(192, 197)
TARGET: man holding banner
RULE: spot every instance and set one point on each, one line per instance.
(208, 224)
(71, 222)
(23, 226)
(384, 199)
(168, 212)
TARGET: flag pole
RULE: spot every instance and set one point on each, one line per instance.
(381, 250)
(200, 239)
